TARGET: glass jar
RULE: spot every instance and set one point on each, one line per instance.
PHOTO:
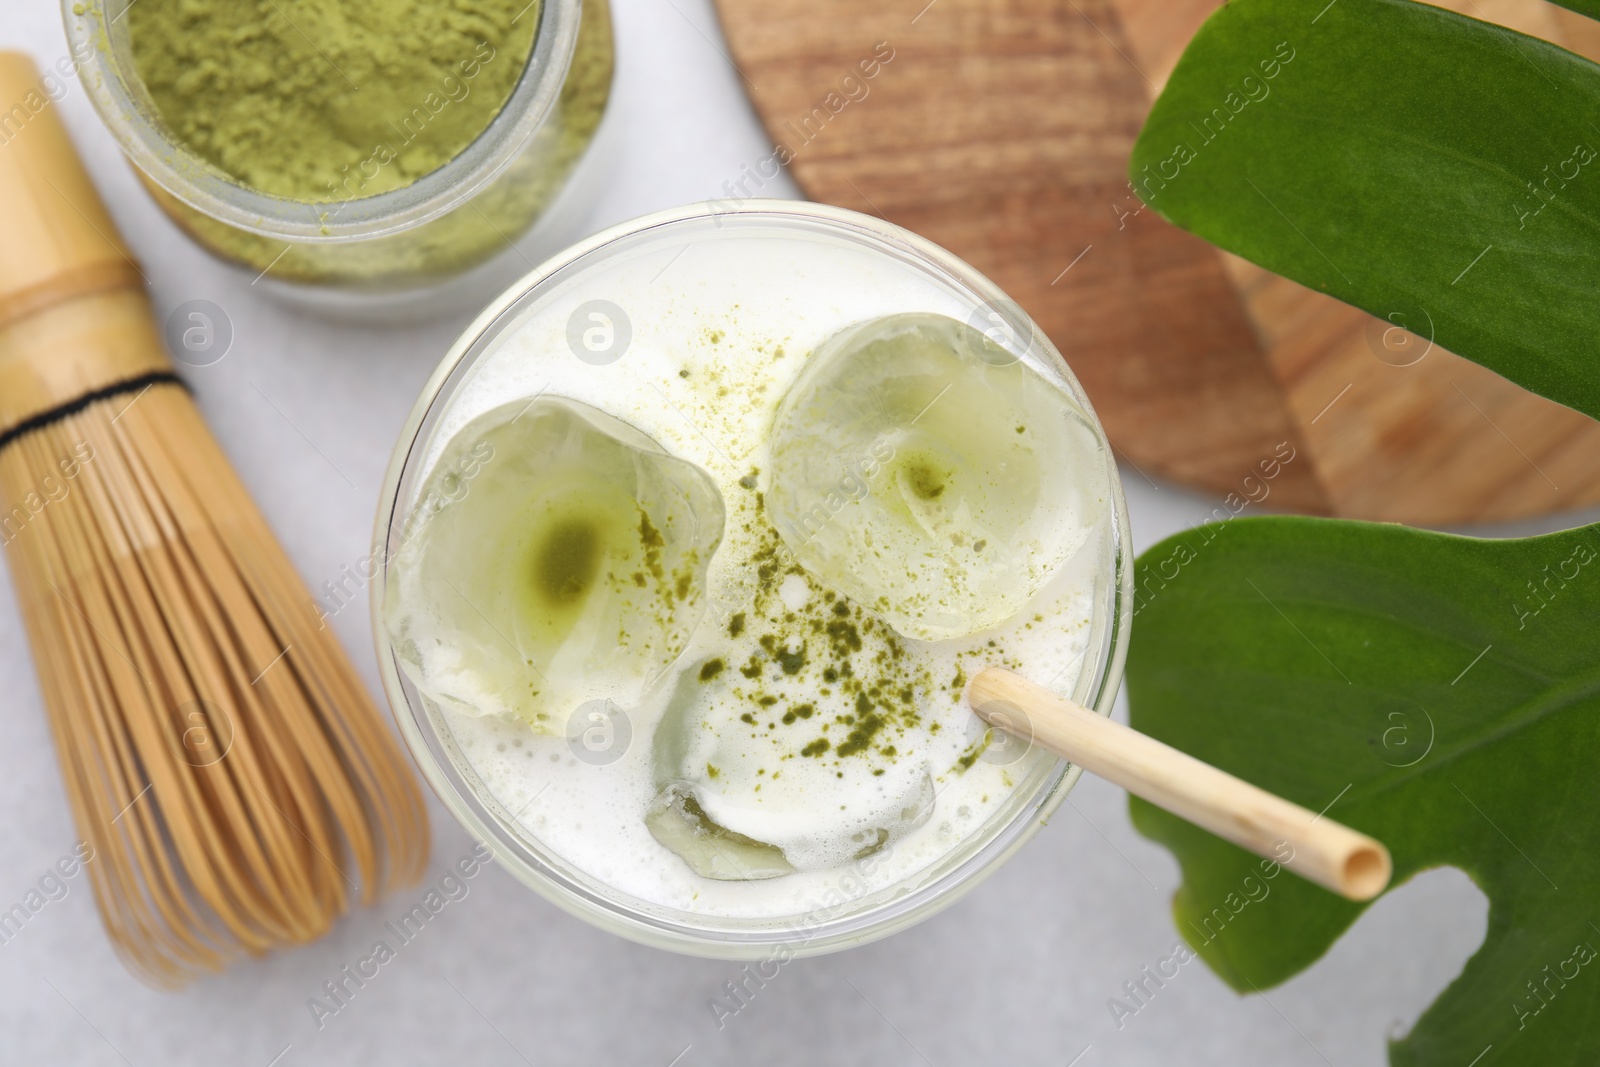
(476, 215)
(579, 299)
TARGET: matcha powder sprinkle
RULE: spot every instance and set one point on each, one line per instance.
(325, 100)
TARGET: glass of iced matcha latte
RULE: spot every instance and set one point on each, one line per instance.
(689, 549)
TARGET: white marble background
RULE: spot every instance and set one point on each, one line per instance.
(1019, 972)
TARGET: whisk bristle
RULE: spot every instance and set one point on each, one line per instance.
(233, 779)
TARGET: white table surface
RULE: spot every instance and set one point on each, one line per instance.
(1019, 972)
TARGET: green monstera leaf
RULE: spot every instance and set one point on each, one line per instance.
(1439, 172)
(1441, 693)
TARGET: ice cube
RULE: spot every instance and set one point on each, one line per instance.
(557, 555)
(821, 814)
(737, 810)
(677, 820)
(924, 471)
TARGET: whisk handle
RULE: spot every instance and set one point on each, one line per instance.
(74, 320)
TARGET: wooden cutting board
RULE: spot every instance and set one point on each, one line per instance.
(1001, 130)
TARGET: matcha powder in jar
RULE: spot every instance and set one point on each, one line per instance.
(319, 100)
(379, 147)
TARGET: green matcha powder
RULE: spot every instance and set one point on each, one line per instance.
(326, 101)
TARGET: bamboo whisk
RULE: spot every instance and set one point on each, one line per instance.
(222, 759)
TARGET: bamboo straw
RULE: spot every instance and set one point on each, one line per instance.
(1333, 856)
(222, 759)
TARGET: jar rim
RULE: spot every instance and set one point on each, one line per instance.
(97, 36)
(432, 745)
